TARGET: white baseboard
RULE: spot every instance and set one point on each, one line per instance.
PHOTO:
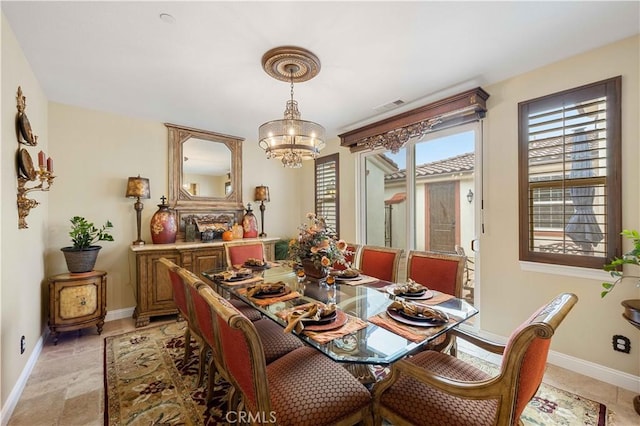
(119, 314)
(586, 368)
(16, 392)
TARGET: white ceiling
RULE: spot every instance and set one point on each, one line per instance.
(204, 69)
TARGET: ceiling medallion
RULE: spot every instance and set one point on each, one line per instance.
(291, 139)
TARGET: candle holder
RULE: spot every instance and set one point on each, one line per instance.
(26, 204)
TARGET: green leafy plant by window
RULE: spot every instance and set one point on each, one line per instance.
(630, 258)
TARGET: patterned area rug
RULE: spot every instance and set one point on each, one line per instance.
(147, 383)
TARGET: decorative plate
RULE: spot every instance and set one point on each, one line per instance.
(285, 290)
(341, 319)
(422, 295)
(322, 321)
(419, 323)
(25, 165)
(25, 129)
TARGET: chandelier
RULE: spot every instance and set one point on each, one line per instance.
(291, 139)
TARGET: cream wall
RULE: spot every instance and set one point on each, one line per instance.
(21, 250)
(508, 293)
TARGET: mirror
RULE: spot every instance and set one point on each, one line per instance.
(205, 170)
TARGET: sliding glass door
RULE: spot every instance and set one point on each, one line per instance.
(424, 197)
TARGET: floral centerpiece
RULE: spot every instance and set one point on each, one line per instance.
(318, 245)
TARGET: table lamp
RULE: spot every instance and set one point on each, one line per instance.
(138, 187)
(262, 194)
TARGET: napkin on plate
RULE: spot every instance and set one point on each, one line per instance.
(415, 309)
(313, 312)
(408, 288)
(263, 288)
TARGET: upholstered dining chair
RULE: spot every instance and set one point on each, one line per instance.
(180, 299)
(380, 262)
(442, 272)
(350, 257)
(275, 343)
(433, 388)
(303, 387)
(238, 252)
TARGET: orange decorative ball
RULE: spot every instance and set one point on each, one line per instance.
(227, 235)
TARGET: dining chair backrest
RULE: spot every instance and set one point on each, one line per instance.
(179, 293)
(198, 307)
(526, 351)
(242, 354)
(448, 390)
(237, 253)
(437, 271)
(350, 257)
(380, 262)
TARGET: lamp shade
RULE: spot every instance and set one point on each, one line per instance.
(261, 194)
(138, 187)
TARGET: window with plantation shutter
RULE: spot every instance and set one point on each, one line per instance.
(570, 185)
(327, 197)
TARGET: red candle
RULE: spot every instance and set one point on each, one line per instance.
(50, 165)
(41, 159)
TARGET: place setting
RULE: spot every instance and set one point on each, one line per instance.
(411, 320)
(237, 276)
(410, 290)
(351, 276)
(264, 294)
(321, 322)
(256, 264)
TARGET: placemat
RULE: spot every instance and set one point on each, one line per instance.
(437, 298)
(270, 300)
(365, 279)
(251, 280)
(353, 324)
(414, 333)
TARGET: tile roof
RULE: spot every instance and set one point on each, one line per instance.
(459, 163)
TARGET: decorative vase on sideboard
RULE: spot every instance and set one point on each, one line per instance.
(311, 270)
(164, 226)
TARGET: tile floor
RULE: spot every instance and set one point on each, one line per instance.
(66, 387)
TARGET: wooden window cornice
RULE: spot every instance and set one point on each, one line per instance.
(393, 132)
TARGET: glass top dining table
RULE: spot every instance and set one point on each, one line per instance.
(370, 344)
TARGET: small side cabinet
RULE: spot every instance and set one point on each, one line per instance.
(77, 301)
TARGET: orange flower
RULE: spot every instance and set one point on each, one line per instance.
(342, 245)
(325, 261)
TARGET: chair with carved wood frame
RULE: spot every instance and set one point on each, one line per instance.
(380, 262)
(433, 388)
(301, 388)
(275, 343)
(237, 253)
(443, 272)
(180, 299)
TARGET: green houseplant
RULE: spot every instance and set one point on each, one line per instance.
(630, 258)
(82, 255)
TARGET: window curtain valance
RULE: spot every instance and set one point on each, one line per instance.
(393, 132)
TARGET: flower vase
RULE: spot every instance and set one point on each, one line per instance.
(163, 225)
(311, 270)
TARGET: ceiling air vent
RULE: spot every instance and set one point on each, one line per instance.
(389, 105)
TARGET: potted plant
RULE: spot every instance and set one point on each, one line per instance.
(82, 255)
(630, 258)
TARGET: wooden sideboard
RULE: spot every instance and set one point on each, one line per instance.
(153, 292)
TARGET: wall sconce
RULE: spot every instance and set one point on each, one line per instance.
(26, 171)
(262, 194)
(138, 187)
(470, 196)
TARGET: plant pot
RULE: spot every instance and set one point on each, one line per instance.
(311, 270)
(80, 260)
